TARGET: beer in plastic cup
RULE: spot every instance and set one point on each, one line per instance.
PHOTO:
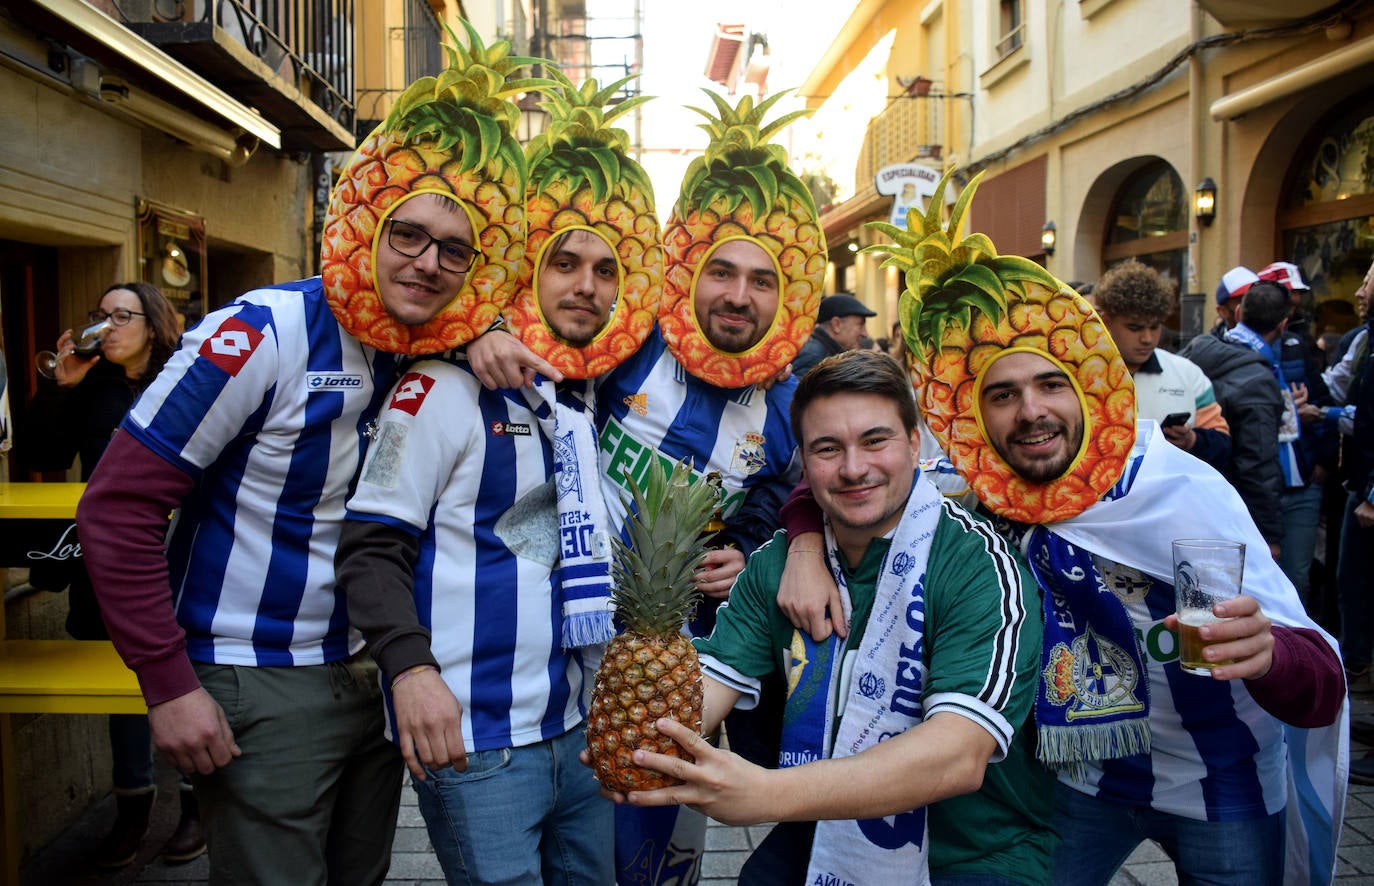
(1206, 572)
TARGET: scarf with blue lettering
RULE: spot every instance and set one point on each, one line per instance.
(1288, 424)
(584, 559)
(876, 693)
(1093, 701)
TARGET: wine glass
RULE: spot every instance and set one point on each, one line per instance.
(85, 345)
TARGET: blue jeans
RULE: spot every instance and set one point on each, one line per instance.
(1099, 835)
(1300, 508)
(520, 815)
(1355, 567)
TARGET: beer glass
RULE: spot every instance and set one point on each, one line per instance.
(1206, 572)
(85, 345)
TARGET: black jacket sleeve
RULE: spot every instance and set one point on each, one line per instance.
(374, 568)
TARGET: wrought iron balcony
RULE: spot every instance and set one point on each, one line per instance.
(909, 128)
(421, 42)
(290, 59)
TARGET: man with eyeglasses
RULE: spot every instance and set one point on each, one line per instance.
(254, 431)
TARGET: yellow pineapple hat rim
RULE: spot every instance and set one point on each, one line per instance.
(765, 339)
(632, 315)
(1058, 364)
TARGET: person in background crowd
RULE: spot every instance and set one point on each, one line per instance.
(1232, 288)
(1254, 405)
(840, 326)
(1134, 301)
(74, 416)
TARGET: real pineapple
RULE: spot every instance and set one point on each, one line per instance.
(449, 135)
(650, 670)
(965, 305)
(742, 187)
(581, 176)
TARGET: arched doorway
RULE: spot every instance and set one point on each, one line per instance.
(1326, 212)
(1148, 221)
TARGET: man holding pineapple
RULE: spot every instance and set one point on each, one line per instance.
(932, 687)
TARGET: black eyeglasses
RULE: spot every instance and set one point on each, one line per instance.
(413, 241)
(119, 316)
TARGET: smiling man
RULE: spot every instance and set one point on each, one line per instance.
(736, 296)
(932, 687)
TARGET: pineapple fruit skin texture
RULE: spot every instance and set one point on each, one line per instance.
(641, 679)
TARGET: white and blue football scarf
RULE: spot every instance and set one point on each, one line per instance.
(584, 549)
(1173, 495)
(879, 850)
(1288, 424)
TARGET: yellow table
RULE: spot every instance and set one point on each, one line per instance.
(47, 676)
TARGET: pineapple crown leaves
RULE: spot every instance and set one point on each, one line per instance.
(654, 582)
(579, 144)
(950, 281)
(467, 102)
(739, 163)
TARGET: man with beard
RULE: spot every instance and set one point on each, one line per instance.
(577, 285)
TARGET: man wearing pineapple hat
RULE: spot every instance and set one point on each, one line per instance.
(912, 710)
(253, 432)
(1239, 775)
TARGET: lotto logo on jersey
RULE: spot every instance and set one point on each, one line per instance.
(332, 381)
(410, 393)
(502, 428)
(231, 345)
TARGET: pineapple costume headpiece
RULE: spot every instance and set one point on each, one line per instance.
(741, 188)
(448, 135)
(963, 307)
(582, 178)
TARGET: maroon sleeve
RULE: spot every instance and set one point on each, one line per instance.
(801, 513)
(122, 521)
(1305, 685)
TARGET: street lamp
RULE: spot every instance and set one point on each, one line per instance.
(1048, 238)
(533, 119)
(1205, 202)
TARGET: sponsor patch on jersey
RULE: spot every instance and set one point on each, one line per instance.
(333, 381)
(502, 428)
(231, 345)
(638, 403)
(411, 391)
(749, 457)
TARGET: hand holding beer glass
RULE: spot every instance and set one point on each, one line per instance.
(1207, 571)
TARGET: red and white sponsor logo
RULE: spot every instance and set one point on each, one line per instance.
(410, 393)
(231, 345)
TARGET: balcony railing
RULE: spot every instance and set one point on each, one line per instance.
(909, 128)
(422, 42)
(291, 59)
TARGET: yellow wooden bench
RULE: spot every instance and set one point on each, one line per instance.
(47, 676)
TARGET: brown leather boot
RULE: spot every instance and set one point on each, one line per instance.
(119, 848)
(188, 840)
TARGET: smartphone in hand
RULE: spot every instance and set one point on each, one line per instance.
(1174, 419)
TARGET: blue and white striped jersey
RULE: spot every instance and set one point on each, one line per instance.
(468, 470)
(650, 403)
(265, 404)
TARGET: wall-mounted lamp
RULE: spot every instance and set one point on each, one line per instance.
(1205, 201)
(1048, 238)
(233, 148)
(533, 119)
(853, 246)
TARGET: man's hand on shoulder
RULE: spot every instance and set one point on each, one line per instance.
(500, 360)
(429, 722)
(1244, 637)
(192, 730)
(718, 571)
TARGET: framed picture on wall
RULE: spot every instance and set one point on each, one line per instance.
(171, 256)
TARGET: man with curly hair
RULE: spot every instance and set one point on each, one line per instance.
(1134, 300)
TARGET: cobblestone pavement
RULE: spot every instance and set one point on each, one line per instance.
(412, 862)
